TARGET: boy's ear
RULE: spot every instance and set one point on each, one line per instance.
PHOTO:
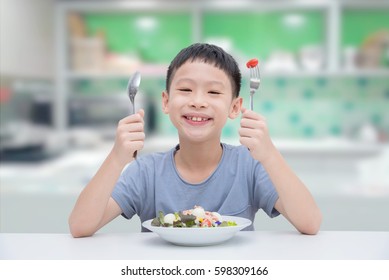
(165, 100)
(236, 107)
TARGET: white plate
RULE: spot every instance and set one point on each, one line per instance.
(199, 236)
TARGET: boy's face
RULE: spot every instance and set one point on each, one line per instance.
(200, 101)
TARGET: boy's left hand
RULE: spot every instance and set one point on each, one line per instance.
(254, 135)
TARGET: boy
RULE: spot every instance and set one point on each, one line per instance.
(202, 92)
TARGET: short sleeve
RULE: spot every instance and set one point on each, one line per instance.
(265, 195)
(129, 190)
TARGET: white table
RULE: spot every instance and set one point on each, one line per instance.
(269, 245)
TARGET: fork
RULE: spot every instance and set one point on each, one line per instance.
(255, 78)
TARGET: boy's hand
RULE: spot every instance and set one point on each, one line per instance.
(130, 137)
(254, 135)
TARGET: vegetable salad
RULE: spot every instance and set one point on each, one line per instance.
(196, 217)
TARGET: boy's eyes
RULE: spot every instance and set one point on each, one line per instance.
(189, 90)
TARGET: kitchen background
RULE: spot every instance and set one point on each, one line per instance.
(65, 67)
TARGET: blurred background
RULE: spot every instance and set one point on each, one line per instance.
(65, 66)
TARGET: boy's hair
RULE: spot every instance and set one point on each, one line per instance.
(210, 54)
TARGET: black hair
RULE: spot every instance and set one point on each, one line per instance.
(210, 54)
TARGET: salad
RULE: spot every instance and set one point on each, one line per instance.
(196, 217)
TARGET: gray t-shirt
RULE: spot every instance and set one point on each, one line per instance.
(239, 186)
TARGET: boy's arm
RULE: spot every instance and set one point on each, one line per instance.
(295, 202)
(95, 207)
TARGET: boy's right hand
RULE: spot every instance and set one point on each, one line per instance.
(130, 137)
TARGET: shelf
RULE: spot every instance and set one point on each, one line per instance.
(363, 73)
(359, 73)
(159, 71)
(147, 70)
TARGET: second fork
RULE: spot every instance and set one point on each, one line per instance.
(255, 79)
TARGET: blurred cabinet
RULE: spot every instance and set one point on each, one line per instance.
(117, 38)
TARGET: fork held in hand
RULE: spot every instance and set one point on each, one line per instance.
(255, 78)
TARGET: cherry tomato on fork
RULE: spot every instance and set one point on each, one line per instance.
(252, 63)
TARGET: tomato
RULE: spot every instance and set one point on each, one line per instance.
(206, 223)
(252, 63)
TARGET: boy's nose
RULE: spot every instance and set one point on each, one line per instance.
(198, 100)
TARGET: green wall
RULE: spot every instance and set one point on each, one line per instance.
(154, 37)
(157, 36)
(357, 25)
(258, 34)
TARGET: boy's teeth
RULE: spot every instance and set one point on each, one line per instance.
(197, 119)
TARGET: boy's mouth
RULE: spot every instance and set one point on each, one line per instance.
(197, 119)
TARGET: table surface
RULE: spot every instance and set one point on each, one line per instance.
(269, 245)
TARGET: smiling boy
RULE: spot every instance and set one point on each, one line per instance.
(202, 92)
